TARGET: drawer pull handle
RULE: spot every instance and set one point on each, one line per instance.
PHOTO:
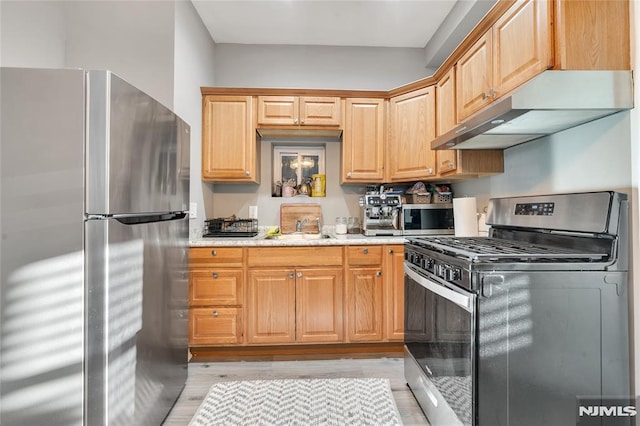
(214, 313)
(215, 275)
(365, 251)
(214, 253)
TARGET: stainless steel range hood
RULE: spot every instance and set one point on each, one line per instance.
(551, 102)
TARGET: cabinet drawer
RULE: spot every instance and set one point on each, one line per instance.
(294, 256)
(215, 256)
(215, 287)
(215, 326)
(364, 255)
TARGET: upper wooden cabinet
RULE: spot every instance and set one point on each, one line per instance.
(412, 128)
(516, 48)
(363, 140)
(229, 146)
(298, 111)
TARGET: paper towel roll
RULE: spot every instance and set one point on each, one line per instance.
(465, 217)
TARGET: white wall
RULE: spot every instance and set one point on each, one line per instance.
(32, 34)
(194, 67)
(134, 39)
(317, 67)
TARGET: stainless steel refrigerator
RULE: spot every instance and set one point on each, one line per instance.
(93, 249)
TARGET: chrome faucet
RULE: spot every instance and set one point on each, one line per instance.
(299, 224)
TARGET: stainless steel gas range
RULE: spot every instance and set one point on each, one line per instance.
(514, 328)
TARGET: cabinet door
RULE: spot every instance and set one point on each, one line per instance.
(364, 305)
(319, 296)
(319, 111)
(228, 139)
(446, 119)
(394, 292)
(522, 44)
(474, 78)
(412, 130)
(271, 306)
(278, 110)
(363, 140)
(215, 326)
(215, 287)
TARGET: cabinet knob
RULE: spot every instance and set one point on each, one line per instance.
(484, 96)
(247, 173)
(301, 121)
(215, 275)
(349, 174)
(390, 251)
(214, 313)
(295, 121)
(492, 92)
(365, 251)
(290, 274)
(378, 274)
(298, 274)
(214, 253)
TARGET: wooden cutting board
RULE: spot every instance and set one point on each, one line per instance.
(290, 213)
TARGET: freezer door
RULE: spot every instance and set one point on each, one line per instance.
(137, 150)
(136, 353)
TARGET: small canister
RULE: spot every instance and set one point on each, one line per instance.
(318, 184)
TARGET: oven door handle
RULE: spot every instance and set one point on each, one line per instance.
(460, 299)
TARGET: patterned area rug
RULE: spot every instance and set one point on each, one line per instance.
(336, 402)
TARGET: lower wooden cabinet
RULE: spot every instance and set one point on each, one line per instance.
(394, 291)
(216, 296)
(351, 294)
(295, 305)
(375, 293)
(215, 326)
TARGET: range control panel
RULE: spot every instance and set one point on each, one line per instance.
(535, 209)
(443, 270)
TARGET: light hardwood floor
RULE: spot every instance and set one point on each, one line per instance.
(203, 374)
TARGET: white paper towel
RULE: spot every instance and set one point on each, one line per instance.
(465, 217)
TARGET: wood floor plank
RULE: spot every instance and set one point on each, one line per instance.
(203, 375)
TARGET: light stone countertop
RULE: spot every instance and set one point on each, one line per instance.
(260, 241)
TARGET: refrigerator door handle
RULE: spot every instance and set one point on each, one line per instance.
(149, 218)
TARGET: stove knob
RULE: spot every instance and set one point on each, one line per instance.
(452, 274)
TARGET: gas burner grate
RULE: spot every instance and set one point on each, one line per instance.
(480, 249)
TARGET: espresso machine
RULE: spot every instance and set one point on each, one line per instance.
(381, 214)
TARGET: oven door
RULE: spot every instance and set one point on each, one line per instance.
(439, 347)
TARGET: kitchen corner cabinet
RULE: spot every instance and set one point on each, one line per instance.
(514, 50)
(363, 140)
(412, 128)
(230, 149)
(298, 111)
(295, 295)
(216, 286)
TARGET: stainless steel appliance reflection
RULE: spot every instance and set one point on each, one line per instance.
(95, 184)
(381, 214)
(512, 328)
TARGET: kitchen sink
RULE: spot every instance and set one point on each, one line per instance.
(301, 236)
